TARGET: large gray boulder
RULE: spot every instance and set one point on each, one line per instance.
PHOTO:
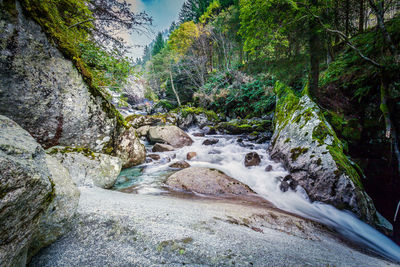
(58, 217)
(44, 93)
(129, 149)
(170, 135)
(25, 191)
(309, 148)
(88, 168)
(207, 181)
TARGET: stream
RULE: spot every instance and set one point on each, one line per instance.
(228, 156)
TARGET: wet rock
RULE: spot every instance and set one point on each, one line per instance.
(58, 217)
(207, 181)
(88, 168)
(284, 186)
(210, 142)
(25, 191)
(170, 135)
(129, 149)
(199, 134)
(154, 156)
(162, 148)
(180, 165)
(142, 131)
(138, 121)
(308, 147)
(252, 138)
(252, 159)
(191, 155)
(214, 152)
(209, 130)
(268, 168)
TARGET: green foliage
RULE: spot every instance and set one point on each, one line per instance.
(211, 10)
(253, 98)
(108, 69)
(158, 45)
(183, 37)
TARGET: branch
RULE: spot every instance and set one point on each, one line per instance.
(347, 41)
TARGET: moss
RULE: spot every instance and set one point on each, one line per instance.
(287, 140)
(288, 104)
(55, 17)
(296, 152)
(82, 150)
(319, 161)
(186, 111)
(10, 7)
(320, 133)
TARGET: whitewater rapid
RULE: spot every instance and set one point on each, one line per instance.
(228, 156)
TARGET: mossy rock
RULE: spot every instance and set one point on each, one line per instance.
(310, 149)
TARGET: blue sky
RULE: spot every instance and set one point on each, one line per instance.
(163, 13)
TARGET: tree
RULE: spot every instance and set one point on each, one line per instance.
(108, 18)
(193, 9)
(158, 45)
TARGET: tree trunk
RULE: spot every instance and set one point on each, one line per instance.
(173, 89)
(347, 22)
(361, 16)
(380, 13)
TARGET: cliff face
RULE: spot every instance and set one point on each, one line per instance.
(44, 93)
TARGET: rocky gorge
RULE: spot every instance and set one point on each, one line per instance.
(82, 185)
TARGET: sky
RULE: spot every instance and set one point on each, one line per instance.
(163, 12)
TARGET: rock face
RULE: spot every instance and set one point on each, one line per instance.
(311, 151)
(87, 168)
(57, 219)
(207, 181)
(129, 149)
(25, 191)
(45, 94)
(170, 135)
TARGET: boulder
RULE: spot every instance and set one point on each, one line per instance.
(25, 191)
(162, 148)
(191, 155)
(252, 159)
(154, 156)
(180, 165)
(199, 134)
(142, 131)
(170, 135)
(268, 168)
(129, 149)
(138, 121)
(57, 218)
(88, 168)
(45, 94)
(207, 181)
(308, 147)
(210, 142)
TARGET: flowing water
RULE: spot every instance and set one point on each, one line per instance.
(228, 156)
